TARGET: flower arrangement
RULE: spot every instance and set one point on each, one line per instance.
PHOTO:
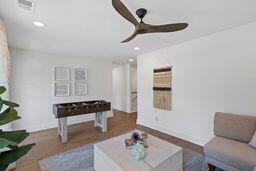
(137, 144)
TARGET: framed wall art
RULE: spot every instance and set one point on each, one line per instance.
(80, 88)
(70, 81)
(62, 74)
(80, 74)
(61, 89)
(162, 88)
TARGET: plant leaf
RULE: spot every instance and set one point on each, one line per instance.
(11, 156)
(15, 136)
(3, 167)
(6, 111)
(12, 115)
(11, 104)
(2, 89)
(5, 143)
(1, 103)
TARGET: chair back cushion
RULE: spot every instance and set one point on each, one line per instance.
(236, 127)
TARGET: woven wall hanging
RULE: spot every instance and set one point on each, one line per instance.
(162, 87)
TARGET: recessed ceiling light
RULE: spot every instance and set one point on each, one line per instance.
(131, 60)
(136, 48)
(38, 24)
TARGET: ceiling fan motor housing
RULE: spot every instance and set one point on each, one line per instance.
(141, 12)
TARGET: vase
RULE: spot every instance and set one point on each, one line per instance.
(138, 152)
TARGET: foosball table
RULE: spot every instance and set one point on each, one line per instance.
(64, 110)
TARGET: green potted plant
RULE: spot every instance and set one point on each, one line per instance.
(10, 149)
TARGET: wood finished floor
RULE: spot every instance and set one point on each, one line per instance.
(48, 143)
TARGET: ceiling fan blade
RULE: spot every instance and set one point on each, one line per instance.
(165, 28)
(130, 38)
(124, 12)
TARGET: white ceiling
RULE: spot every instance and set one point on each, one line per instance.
(94, 29)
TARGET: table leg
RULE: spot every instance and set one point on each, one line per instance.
(104, 121)
(211, 167)
(96, 120)
(58, 131)
(101, 120)
(62, 129)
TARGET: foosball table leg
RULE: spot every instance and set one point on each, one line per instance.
(62, 129)
(96, 120)
(104, 121)
(101, 120)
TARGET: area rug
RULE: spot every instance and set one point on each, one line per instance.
(82, 159)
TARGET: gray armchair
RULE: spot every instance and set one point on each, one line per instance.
(229, 149)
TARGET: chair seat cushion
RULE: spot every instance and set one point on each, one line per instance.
(234, 153)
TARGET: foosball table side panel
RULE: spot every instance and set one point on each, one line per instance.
(60, 112)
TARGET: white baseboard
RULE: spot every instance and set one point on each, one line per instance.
(71, 121)
(123, 109)
(175, 133)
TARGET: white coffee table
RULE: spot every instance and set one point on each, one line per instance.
(112, 155)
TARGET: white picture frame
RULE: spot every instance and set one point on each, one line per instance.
(81, 88)
(62, 74)
(61, 89)
(81, 74)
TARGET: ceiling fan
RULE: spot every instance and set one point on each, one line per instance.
(141, 27)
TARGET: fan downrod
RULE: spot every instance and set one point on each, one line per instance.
(141, 13)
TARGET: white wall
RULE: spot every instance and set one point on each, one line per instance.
(32, 86)
(122, 88)
(210, 74)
